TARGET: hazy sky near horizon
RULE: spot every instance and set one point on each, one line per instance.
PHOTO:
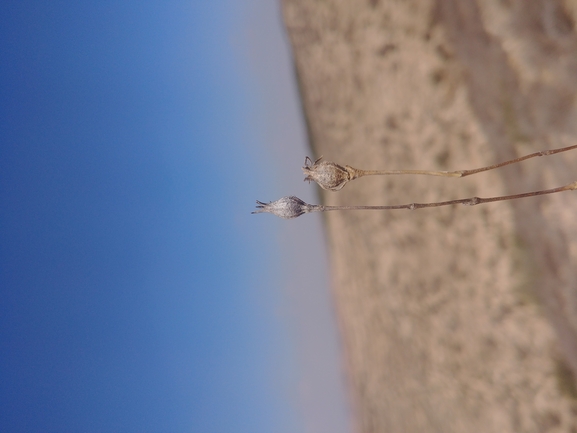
(138, 293)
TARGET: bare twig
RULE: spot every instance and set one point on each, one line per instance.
(333, 177)
(292, 207)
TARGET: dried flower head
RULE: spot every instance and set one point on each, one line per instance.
(286, 207)
(334, 177)
(328, 175)
(292, 207)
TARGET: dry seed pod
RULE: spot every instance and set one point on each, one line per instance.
(292, 207)
(328, 175)
(334, 177)
(286, 207)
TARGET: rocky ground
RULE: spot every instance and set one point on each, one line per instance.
(455, 319)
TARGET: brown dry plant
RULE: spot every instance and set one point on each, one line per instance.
(333, 177)
(292, 207)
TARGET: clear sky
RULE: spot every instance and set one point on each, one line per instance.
(137, 293)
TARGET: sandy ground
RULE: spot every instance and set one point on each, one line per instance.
(454, 319)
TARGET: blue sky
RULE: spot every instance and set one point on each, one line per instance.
(137, 291)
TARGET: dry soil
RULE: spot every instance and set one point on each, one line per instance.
(458, 319)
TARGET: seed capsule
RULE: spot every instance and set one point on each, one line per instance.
(328, 175)
(286, 207)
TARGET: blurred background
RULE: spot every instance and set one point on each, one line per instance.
(455, 319)
(137, 291)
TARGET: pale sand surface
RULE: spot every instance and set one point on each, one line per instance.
(456, 319)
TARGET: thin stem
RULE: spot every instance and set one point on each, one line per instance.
(360, 173)
(292, 207)
(461, 173)
(472, 201)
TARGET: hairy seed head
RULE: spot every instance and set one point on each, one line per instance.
(286, 207)
(328, 175)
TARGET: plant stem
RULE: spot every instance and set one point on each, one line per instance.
(465, 201)
(460, 173)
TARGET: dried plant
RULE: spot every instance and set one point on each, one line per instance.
(292, 207)
(333, 177)
(286, 207)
